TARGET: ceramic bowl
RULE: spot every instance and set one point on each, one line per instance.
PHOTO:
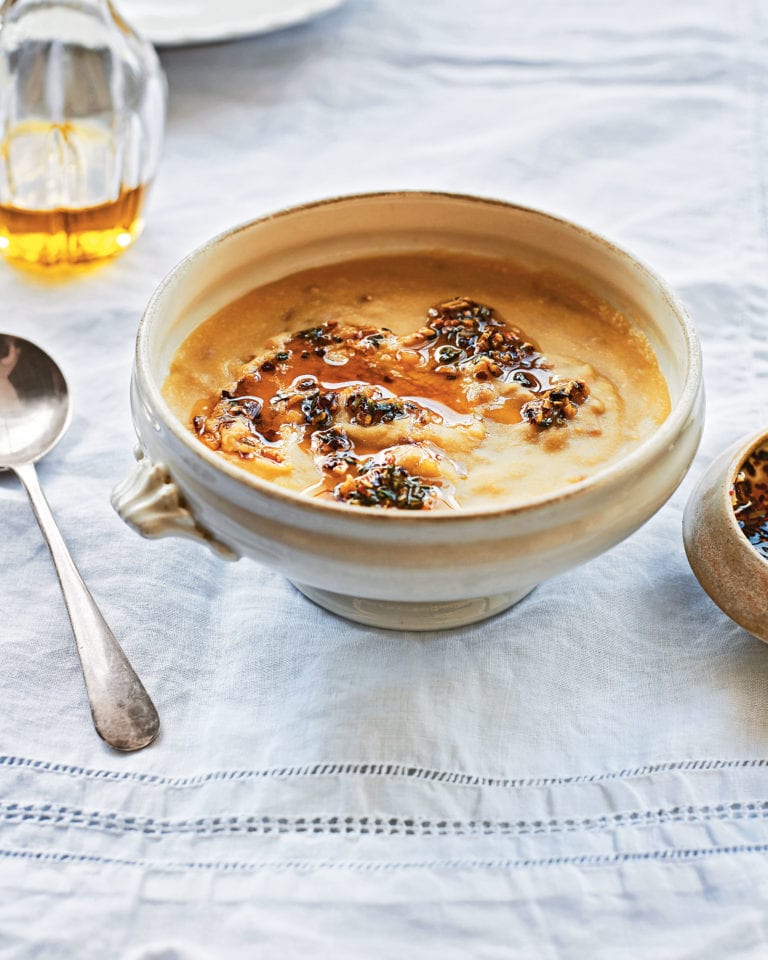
(726, 564)
(389, 568)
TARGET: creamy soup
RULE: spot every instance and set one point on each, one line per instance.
(419, 382)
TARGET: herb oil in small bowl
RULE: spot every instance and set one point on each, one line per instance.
(725, 528)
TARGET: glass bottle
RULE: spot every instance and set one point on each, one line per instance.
(82, 114)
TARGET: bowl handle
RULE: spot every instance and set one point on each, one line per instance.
(150, 502)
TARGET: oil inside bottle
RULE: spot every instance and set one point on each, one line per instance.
(71, 235)
(54, 183)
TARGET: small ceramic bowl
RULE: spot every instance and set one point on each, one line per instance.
(726, 564)
(401, 569)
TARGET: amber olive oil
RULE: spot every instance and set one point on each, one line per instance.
(71, 235)
(82, 114)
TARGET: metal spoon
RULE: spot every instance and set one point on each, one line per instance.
(34, 413)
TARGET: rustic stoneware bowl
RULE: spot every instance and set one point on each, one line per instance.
(726, 564)
(392, 569)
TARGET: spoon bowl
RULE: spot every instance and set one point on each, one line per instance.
(34, 402)
(34, 413)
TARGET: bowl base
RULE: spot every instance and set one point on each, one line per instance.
(397, 615)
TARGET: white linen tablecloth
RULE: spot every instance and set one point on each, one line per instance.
(583, 776)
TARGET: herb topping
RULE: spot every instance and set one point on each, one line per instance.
(749, 497)
(320, 389)
(556, 406)
(385, 486)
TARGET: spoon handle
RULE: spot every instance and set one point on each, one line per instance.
(123, 713)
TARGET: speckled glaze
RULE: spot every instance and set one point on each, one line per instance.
(726, 564)
(394, 569)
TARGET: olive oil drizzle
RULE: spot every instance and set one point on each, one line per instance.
(376, 378)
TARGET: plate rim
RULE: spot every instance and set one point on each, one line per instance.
(217, 30)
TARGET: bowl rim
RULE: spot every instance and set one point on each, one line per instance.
(608, 475)
(743, 450)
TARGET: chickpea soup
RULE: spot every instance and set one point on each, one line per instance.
(427, 381)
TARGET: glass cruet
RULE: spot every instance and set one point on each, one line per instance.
(82, 114)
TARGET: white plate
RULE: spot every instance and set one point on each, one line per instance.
(179, 22)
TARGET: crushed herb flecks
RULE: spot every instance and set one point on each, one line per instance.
(749, 496)
(388, 486)
(323, 388)
(556, 406)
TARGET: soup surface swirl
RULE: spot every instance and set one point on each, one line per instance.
(430, 381)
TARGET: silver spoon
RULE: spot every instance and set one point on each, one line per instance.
(34, 413)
